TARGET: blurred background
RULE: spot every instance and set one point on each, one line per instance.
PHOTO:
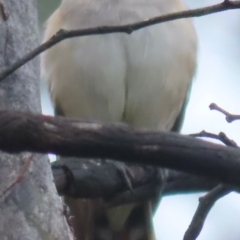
(217, 80)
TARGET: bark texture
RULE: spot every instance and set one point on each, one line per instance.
(85, 139)
(29, 206)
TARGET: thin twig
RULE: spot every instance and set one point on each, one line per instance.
(229, 117)
(3, 12)
(222, 137)
(128, 28)
(205, 204)
(19, 178)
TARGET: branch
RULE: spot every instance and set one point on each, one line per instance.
(94, 179)
(180, 184)
(98, 179)
(221, 137)
(3, 12)
(229, 117)
(208, 201)
(205, 204)
(128, 28)
(71, 137)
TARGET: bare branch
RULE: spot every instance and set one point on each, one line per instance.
(229, 117)
(71, 137)
(128, 28)
(95, 179)
(205, 204)
(208, 201)
(180, 184)
(221, 137)
(3, 12)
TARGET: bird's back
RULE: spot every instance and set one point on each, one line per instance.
(135, 78)
(141, 79)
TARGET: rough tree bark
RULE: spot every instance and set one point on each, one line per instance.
(30, 208)
(85, 139)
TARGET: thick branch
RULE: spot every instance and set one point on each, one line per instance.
(71, 137)
(92, 179)
(128, 28)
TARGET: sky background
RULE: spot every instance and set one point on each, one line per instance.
(217, 80)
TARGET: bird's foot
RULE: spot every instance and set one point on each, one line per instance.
(125, 174)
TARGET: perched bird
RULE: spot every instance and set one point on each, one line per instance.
(142, 79)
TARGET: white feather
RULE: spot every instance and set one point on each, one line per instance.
(141, 79)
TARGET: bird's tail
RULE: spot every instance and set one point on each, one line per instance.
(91, 221)
(137, 224)
(84, 214)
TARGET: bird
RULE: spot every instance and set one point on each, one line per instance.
(143, 80)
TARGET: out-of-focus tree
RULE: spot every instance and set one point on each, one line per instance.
(27, 191)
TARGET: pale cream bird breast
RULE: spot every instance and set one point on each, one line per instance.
(141, 79)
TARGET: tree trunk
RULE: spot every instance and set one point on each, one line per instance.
(29, 206)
